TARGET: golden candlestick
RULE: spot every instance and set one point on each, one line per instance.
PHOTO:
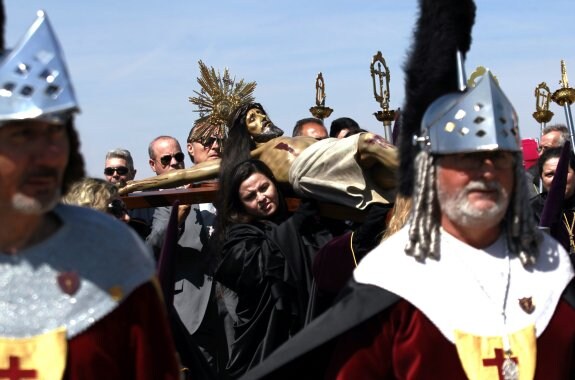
(565, 96)
(542, 97)
(380, 76)
(320, 110)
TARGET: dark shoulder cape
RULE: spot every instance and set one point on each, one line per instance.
(310, 351)
(557, 228)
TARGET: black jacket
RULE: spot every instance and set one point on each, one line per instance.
(268, 266)
(558, 229)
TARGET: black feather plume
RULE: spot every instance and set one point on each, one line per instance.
(443, 27)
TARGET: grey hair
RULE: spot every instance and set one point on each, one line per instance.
(424, 219)
(424, 234)
(123, 154)
(565, 134)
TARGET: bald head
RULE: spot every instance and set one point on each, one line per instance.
(311, 127)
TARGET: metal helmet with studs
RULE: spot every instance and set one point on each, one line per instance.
(480, 119)
(34, 80)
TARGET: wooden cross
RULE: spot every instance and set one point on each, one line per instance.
(13, 372)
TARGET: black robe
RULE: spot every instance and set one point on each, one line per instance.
(268, 265)
(558, 229)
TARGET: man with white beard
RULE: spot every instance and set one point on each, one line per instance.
(474, 201)
(78, 298)
(469, 288)
(478, 291)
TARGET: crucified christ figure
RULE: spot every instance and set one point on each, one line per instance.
(355, 171)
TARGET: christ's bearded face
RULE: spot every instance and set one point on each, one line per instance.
(260, 126)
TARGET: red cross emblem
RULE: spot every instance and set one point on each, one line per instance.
(497, 361)
(13, 372)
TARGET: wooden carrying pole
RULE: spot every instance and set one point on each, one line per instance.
(207, 192)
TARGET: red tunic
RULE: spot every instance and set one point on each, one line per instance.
(401, 343)
(132, 342)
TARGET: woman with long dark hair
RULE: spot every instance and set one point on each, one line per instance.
(265, 257)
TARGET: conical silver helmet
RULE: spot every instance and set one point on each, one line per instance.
(34, 80)
(480, 119)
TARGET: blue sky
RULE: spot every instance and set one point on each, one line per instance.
(134, 63)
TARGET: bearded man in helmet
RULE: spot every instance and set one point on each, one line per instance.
(78, 296)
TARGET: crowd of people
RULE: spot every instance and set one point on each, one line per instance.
(448, 274)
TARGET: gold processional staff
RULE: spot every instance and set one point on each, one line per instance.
(542, 113)
(565, 96)
(380, 77)
(320, 111)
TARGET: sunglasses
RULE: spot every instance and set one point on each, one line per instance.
(121, 170)
(165, 160)
(208, 142)
(117, 208)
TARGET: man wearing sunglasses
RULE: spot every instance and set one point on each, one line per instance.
(165, 155)
(204, 146)
(118, 169)
(119, 166)
(194, 289)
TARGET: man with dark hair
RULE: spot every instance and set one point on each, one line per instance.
(343, 127)
(78, 297)
(311, 127)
